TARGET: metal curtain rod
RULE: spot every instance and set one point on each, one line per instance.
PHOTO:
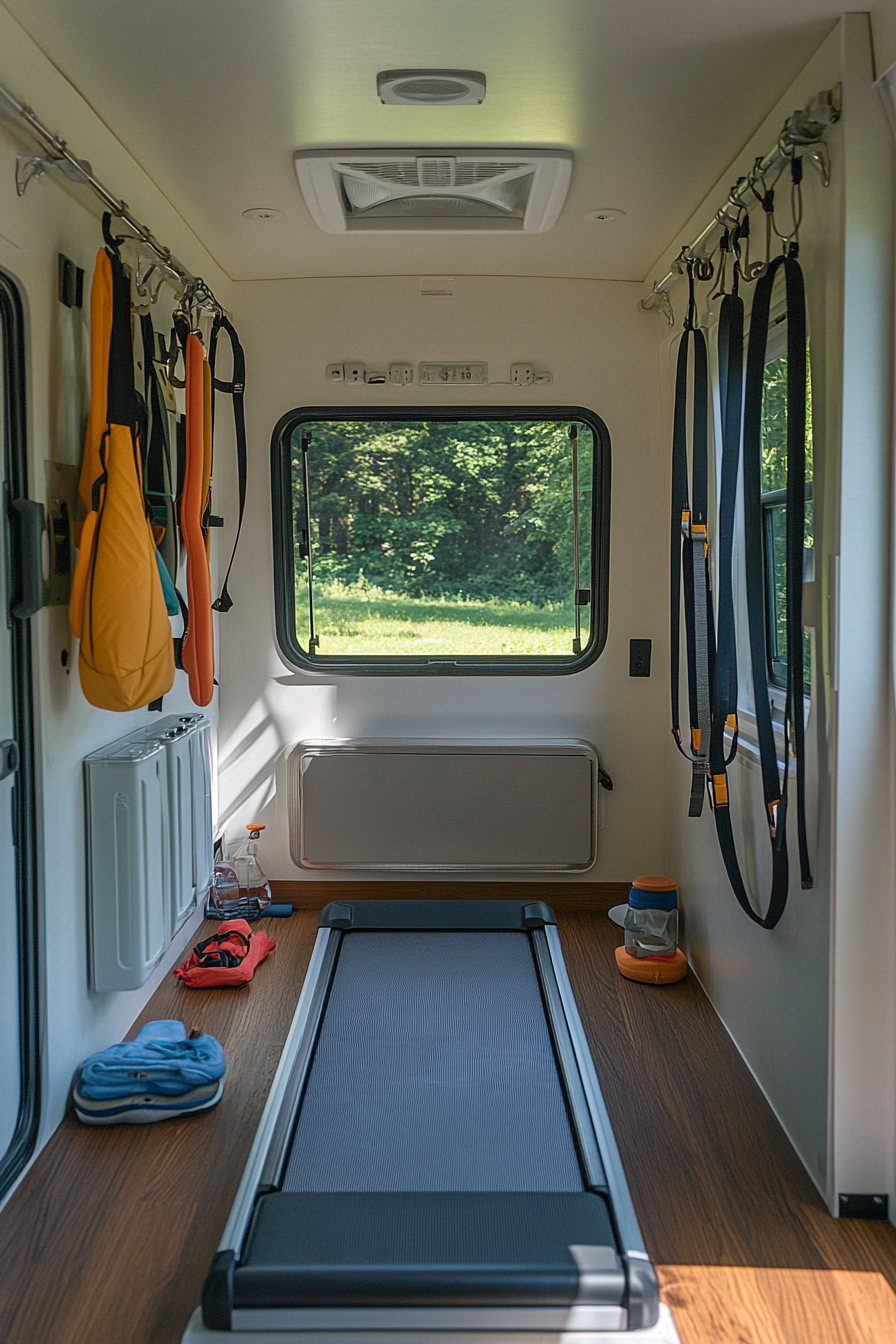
(28, 169)
(801, 136)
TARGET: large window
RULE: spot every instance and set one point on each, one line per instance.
(441, 541)
(774, 512)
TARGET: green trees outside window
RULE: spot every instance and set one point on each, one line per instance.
(468, 538)
(774, 484)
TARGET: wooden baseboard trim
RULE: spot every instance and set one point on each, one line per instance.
(560, 895)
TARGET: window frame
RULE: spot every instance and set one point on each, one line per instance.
(427, 665)
(25, 813)
(769, 502)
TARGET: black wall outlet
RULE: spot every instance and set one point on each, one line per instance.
(71, 283)
(639, 657)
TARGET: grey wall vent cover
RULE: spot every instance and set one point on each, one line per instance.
(442, 806)
(442, 191)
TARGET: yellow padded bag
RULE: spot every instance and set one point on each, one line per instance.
(117, 607)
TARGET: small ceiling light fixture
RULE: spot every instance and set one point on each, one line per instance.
(430, 88)
(262, 212)
(604, 216)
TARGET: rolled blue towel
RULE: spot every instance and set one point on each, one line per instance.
(160, 1061)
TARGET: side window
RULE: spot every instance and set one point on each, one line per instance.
(774, 484)
(441, 541)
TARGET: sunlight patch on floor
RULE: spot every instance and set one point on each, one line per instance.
(735, 1304)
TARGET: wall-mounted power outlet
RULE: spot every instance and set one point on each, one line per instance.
(522, 375)
(639, 657)
(401, 374)
(335, 373)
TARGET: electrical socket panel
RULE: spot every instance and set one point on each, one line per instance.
(522, 375)
(400, 375)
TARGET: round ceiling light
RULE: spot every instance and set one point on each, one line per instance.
(431, 88)
(262, 212)
(604, 216)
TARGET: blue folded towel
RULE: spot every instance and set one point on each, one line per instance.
(160, 1061)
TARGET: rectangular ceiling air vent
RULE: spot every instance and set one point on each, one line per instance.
(434, 191)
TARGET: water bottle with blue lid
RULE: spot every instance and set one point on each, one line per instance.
(651, 920)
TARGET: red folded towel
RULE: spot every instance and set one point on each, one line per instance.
(229, 957)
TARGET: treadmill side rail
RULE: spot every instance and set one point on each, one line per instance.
(643, 1288)
(300, 1038)
(583, 1127)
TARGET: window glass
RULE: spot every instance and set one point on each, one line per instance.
(466, 537)
(774, 485)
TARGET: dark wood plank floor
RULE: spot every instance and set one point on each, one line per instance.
(110, 1235)
(746, 1249)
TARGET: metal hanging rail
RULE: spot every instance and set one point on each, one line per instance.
(193, 289)
(802, 136)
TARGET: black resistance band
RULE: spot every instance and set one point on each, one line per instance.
(235, 389)
(725, 687)
(689, 555)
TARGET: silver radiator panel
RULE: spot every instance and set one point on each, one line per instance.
(437, 806)
(149, 844)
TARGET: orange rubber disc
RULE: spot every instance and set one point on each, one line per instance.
(654, 882)
(652, 970)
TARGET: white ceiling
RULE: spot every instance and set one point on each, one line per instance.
(654, 97)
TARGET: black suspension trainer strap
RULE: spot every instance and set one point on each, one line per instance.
(689, 555)
(797, 380)
(157, 453)
(236, 390)
(731, 381)
(731, 359)
(775, 788)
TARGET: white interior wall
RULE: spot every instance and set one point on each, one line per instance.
(600, 349)
(883, 30)
(799, 1001)
(863, 969)
(49, 219)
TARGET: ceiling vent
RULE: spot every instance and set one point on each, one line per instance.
(431, 88)
(434, 191)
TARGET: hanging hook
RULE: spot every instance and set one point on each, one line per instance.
(724, 248)
(796, 203)
(749, 271)
(691, 314)
(703, 268)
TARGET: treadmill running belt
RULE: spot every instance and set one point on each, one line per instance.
(434, 1071)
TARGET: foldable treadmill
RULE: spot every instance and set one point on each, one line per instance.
(435, 1161)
